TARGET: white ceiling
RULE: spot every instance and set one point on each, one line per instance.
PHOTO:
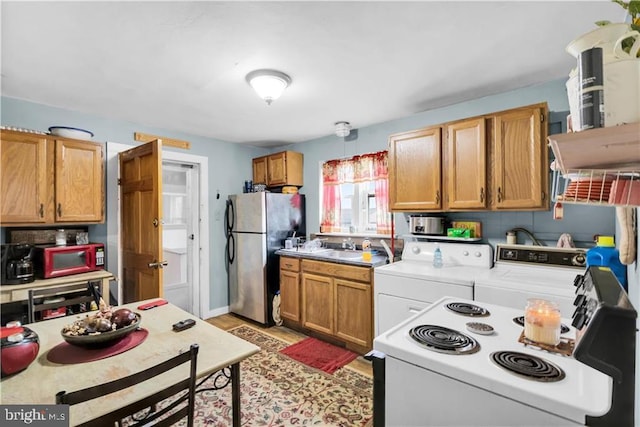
(182, 65)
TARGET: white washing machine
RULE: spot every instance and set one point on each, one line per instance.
(521, 272)
(403, 288)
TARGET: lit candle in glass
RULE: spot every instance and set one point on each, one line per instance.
(542, 322)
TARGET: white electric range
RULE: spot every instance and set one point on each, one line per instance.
(427, 385)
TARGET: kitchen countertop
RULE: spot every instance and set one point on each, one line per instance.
(331, 255)
(9, 293)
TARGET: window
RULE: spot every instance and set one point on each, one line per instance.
(355, 195)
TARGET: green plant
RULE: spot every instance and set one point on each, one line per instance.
(633, 10)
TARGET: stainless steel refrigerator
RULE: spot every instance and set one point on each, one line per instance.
(256, 226)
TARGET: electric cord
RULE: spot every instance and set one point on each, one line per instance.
(536, 242)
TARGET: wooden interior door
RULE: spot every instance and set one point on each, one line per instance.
(141, 221)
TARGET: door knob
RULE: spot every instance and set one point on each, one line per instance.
(155, 264)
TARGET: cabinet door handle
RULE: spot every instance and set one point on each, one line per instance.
(41, 210)
(59, 209)
(437, 197)
(544, 196)
(482, 194)
(499, 194)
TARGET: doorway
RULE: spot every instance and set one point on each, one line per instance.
(179, 236)
(193, 170)
(199, 299)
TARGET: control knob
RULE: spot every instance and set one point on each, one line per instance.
(579, 260)
(579, 318)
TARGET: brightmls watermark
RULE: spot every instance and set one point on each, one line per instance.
(34, 415)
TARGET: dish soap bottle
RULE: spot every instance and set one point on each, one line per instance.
(366, 250)
(437, 257)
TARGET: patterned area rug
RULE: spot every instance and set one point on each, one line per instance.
(278, 391)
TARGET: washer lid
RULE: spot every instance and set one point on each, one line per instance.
(551, 280)
(458, 275)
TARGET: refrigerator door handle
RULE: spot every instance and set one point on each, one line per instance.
(231, 248)
(229, 216)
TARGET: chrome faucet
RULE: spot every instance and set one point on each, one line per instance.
(349, 244)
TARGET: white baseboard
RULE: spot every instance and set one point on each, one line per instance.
(216, 312)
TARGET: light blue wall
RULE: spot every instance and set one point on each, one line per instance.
(230, 165)
(582, 222)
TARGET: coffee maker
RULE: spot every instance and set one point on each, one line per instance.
(17, 265)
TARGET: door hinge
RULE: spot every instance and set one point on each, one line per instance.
(119, 181)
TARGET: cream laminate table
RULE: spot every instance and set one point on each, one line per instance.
(40, 382)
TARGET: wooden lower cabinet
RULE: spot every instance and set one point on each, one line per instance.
(290, 289)
(352, 305)
(317, 303)
(334, 300)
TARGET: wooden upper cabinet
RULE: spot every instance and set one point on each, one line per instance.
(520, 159)
(26, 193)
(50, 181)
(279, 169)
(466, 165)
(79, 181)
(260, 170)
(415, 164)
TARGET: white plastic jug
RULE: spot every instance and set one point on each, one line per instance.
(609, 38)
(621, 92)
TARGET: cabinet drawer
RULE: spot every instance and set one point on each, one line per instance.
(289, 264)
(361, 274)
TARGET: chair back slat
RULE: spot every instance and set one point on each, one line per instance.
(184, 390)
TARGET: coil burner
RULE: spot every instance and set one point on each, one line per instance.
(444, 340)
(527, 366)
(467, 309)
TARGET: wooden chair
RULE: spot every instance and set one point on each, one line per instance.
(77, 293)
(164, 417)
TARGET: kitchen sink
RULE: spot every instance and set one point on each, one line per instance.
(345, 254)
(327, 253)
(323, 251)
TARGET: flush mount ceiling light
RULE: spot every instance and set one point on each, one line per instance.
(343, 129)
(268, 84)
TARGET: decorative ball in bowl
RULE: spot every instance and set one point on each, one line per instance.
(101, 329)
